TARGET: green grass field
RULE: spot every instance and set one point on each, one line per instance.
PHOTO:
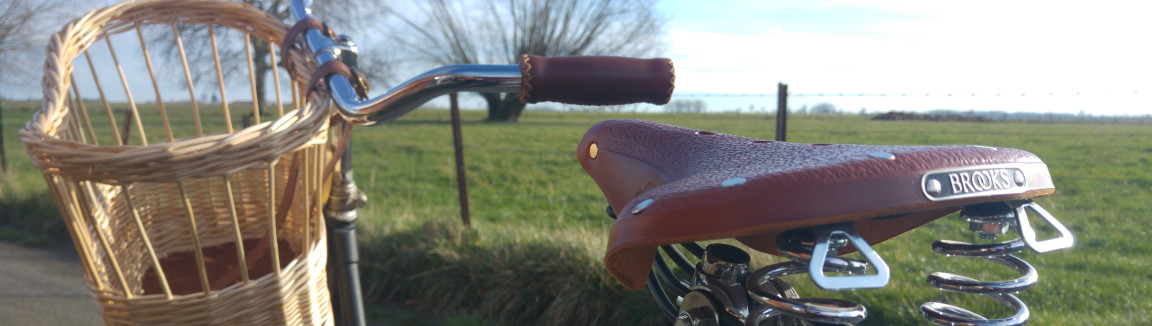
(534, 253)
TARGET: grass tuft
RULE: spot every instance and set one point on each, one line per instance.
(516, 276)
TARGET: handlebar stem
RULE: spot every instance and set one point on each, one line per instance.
(301, 9)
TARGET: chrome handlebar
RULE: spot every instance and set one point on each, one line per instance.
(408, 95)
(421, 89)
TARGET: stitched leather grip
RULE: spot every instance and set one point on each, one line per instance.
(593, 80)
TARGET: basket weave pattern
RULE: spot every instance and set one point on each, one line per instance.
(239, 209)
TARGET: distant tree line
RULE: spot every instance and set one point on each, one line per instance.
(686, 106)
(912, 116)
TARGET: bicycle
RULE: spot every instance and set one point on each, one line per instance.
(994, 186)
(658, 194)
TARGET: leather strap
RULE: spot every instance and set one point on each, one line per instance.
(321, 74)
(289, 42)
(358, 80)
(260, 251)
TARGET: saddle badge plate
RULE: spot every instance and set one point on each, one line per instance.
(973, 182)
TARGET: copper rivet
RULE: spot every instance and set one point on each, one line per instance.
(642, 205)
(882, 155)
(733, 182)
(593, 150)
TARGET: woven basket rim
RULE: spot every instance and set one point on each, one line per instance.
(200, 156)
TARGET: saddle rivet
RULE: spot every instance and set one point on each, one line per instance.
(642, 205)
(593, 150)
(732, 182)
(882, 155)
(1019, 178)
(933, 187)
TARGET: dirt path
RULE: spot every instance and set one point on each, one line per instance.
(43, 287)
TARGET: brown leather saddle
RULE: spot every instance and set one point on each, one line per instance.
(669, 184)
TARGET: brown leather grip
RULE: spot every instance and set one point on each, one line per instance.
(286, 45)
(596, 80)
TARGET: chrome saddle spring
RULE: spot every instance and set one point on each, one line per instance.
(780, 299)
(990, 221)
(782, 305)
(723, 292)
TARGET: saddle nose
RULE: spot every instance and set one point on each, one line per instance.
(670, 184)
(621, 177)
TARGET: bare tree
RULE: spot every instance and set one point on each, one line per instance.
(23, 34)
(499, 31)
(344, 16)
(24, 28)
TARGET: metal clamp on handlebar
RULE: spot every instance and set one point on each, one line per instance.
(355, 106)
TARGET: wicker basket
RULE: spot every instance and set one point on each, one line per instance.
(179, 216)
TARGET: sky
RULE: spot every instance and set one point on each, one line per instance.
(1016, 56)
(1038, 56)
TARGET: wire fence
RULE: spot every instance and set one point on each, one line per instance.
(915, 94)
(1030, 105)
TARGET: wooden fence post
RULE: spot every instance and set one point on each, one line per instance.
(3, 155)
(781, 111)
(127, 126)
(458, 141)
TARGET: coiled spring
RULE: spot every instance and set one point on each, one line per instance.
(992, 220)
(723, 291)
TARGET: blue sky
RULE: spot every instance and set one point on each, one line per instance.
(1062, 56)
(1036, 56)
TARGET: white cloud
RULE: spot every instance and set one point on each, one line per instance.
(927, 47)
